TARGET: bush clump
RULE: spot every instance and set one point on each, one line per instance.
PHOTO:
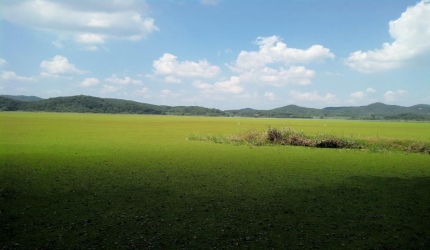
(335, 143)
(418, 147)
(274, 135)
(289, 136)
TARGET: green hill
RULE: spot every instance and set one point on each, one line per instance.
(90, 104)
(23, 98)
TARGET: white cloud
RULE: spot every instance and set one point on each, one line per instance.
(58, 44)
(172, 79)
(210, 2)
(253, 66)
(2, 62)
(232, 86)
(90, 38)
(169, 65)
(391, 96)
(411, 36)
(279, 77)
(126, 80)
(166, 93)
(90, 48)
(273, 50)
(357, 95)
(202, 85)
(370, 90)
(54, 92)
(59, 65)
(87, 82)
(142, 91)
(12, 76)
(313, 97)
(270, 95)
(82, 21)
(109, 89)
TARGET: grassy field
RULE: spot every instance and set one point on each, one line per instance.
(127, 181)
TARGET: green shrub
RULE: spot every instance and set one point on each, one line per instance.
(289, 136)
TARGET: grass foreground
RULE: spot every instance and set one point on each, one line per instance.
(128, 182)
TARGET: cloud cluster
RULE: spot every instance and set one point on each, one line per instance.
(273, 50)
(58, 65)
(170, 66)
(85, 22)
(12, 76)
(270, 95)
(109, 89)
(255, 66)
(232, 86)
(210, 2)
(411, 34)
(123, 81)
(279, 77)
(313, 97)
(391, 96)
(362, 94)
(2, 62)
(88, 82)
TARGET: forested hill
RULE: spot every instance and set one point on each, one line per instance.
(420, 112)
(23, 98)
(373, 111)
(90, 104)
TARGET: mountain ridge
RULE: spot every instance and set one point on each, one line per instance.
(91, 104)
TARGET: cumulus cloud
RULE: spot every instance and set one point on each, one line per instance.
(254, 66)
(123, 81)
(109, 89)
(370, 90)
(357, 95)
(90, 38)
(169, 65)
(232, 86)
(2, 62)
(411, 34)
(313, 97)
(391, 96)
(142, 91)
(59, 65)
(210, 2)
(270, 95)
(172, 79)
(88, 82)
(273, 50)
(12, 76)
(82, 21)
(279, 77)
(166, 93)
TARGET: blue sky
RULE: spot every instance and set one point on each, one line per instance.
(225, 54)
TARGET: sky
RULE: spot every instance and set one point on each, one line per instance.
(224, 54)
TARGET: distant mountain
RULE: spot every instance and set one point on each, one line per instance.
(377, 109)
(23, 98)
(90, 104)
(372, 111)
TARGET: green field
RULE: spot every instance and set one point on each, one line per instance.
(135, 182)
